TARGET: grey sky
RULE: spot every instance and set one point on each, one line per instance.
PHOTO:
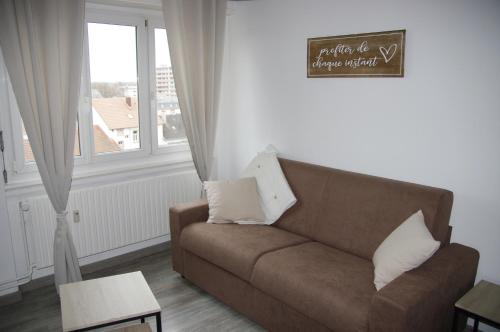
(113, 54)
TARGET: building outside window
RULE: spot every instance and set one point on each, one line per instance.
(169, 120)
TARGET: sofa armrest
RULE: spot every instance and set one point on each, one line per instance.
(181, 216)
(423, 299)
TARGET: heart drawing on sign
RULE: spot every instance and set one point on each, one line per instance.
(388, 54)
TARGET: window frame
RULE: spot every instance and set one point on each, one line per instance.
(145, 21)
(19, 163)
(136, 21)
(157, 23)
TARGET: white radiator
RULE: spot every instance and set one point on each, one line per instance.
(111, 216)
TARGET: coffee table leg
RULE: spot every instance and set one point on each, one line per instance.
(476, 325)
(158, 322)
(455, 321)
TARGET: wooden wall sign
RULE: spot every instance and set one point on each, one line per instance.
(376, 54)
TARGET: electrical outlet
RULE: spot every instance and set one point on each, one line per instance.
(76, 216)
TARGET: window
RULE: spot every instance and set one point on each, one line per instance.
(113, 81)
(129, 107)
(28, 153)
(169, 122)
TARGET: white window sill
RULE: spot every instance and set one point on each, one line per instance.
(113, 171)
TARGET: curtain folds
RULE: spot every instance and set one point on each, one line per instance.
(42, 44)
(196, 30)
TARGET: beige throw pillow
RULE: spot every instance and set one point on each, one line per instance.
(234, 201)
(406, 248)
(275, 194)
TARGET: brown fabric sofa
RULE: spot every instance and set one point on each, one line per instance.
(312, 269)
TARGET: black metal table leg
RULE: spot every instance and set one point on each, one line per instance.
(158, 322)
(476, 325)
(455, 321)
(142, 320)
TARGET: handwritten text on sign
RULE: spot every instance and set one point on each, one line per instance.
(368, 54)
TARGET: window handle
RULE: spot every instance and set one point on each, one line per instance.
(2, 149)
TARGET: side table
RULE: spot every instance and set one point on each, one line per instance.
(481, 303)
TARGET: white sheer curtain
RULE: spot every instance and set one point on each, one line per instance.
(42, 44)
(195, 30)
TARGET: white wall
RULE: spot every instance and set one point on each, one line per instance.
(439, 125)
(7, 265)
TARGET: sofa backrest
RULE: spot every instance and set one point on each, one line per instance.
(356, 212)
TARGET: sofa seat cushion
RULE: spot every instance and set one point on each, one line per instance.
(328, 285)
(235, 248)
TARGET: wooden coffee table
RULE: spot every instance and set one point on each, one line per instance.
(95, 303)
(482, 303)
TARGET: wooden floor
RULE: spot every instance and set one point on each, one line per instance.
(185, 307)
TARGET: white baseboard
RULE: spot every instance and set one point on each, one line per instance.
(9, 288)
(106, 255)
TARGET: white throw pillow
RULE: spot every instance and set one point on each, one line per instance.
(234, 201)
(406, 248)
(275, 194)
